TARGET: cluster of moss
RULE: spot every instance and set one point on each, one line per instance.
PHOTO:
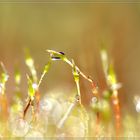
(59, 116)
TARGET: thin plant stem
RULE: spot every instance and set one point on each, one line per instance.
(85, 118)
(116, 106)
(78, 91)
(80, 72)
(76, 72)
(111, 81)
(4, 106)
(26, 108)
(84, 112)
(33, 111)
(3, 97)
(98, 116)
(62, 56)
(45, 71)
(66, 115)
(33, 89)
(37, 94)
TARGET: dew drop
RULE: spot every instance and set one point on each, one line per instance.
(35, 86)
(94, 100)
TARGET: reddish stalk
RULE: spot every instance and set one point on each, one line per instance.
(37, 95)
(116, 106)
(4, 111)
(98, 117)
(4, 106)
(30, 103)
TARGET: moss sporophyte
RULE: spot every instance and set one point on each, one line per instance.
(50, 115)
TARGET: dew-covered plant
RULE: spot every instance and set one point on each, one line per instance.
(59, 116)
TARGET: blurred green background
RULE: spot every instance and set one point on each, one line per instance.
(78, 29)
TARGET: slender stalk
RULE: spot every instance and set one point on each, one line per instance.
(111, 81)
(34, 84)
(61, 56)
(84, 112)
(37, 95)
(3, 99)
(116, 106)
(33, 111)
(26, 108)
(66, 115)
(85, 118)
(45, 71)
(4, 106)
(78, 91)
(29, 103)
(98, 116)
(80, 72)
(76, 72)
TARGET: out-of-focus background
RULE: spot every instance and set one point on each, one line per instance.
(78, 29)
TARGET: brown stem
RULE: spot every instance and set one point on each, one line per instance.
(26, 108)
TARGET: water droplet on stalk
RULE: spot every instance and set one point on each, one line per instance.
(94, 100)
(35, 86)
